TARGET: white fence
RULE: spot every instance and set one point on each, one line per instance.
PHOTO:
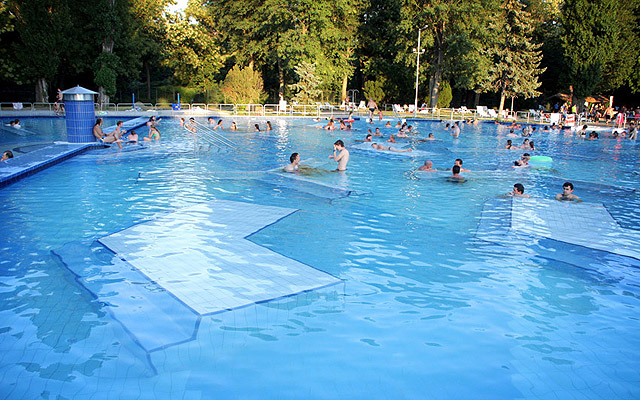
(264, 110)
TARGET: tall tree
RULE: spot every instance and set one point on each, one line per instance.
(515, 59)
(41, 26)
(447, 25)
(600, 45)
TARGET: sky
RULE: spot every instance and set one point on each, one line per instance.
(180, 6)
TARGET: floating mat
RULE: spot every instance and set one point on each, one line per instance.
(587, 225)
(306, 185)
(201, 256)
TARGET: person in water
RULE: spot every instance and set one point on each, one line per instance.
(342, 158)
(567, 193)
(388, 148)
(518, 191)
(428, 166)
(455, 175)
(294, 160)
(6, 155)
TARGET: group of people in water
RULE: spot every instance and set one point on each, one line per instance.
(119, 135)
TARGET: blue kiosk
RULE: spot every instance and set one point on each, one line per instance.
(80, 114)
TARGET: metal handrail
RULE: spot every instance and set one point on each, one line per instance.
(212, 136)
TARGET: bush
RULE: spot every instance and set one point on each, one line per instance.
(243, 86)
(445, 96)
(374, 90)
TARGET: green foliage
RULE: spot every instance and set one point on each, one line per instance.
(374, 89)
(306, 90)
(243, 85)
(599, 51)
(105, 72)
(445, 96)
(515, 59)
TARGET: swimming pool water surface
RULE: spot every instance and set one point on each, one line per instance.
(427, 307)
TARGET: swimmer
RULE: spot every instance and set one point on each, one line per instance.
(456, 177)
(219, 125)
(210, 121)
(6, 155)
(398, 125)
(257, 127)
(388, 148)
(154, 135)
(458, 162)
(329, 126)
(114, 137)
(567, 193)
(511, 134)
(523, 161)
(427, 166)
(593, 135)
(97, 129)
(341, 158)
(446, 127)
(388, 124)
(181, 121)
(343, 126)
(132, 137)
(456, 129)
(234, 127)
(392, 139)
(368, 138)
(378, 133)
(509, 145)
(531, 145)
(295, 163)
(269, 127)
(518, 191)
(582, 132)
(525, 145)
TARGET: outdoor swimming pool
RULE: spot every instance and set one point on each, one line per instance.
(440, 297)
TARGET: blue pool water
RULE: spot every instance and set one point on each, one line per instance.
(427, 308)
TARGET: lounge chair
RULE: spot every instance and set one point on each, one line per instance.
(362, 106)
(482, 112)
(397, 109)
(412, 108)
(492, 113)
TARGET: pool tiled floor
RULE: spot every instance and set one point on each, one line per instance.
(200, 254)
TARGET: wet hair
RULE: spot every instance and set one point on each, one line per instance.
(431, 135)
(98, 121)
(219, 122)
(8, 153)
(339, 143)
(210, 118)
(119, 123)
(526, 155)
(509, 141)
(132, 132)
(456, 169)
(459, 160)
(257, 126)
(368, 136)
(568, 184)
(293, 157)
(519, 188)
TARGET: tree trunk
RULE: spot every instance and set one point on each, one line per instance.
(103, 98)
(148, 82)
(343, 93)
(107, 47)
(476, 100)
(502, 97)
(436, 77)
(280, 79)
(42, 90)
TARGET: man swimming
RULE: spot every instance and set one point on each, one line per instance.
(567, 193)
(456, 177)
(341, 158)
(428, 166)
(295, 163)
(388, 148)
(518, 191)
(458, 162)
(523, 161)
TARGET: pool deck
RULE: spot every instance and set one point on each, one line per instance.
(25, 165)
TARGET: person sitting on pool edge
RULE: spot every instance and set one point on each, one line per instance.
(341, 158)
(456, 177)
(295, 163)
(428, 166)
(518, 191)
(381, 147)
(6, 155)
(567, 193)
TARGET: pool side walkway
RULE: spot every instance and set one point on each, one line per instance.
(24, 165)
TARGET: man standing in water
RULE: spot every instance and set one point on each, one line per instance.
(343, 157)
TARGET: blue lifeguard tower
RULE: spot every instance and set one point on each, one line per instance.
(80, 114)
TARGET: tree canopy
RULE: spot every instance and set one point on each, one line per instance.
(314, 50)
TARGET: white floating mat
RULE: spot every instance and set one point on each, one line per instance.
(366, 146)
(201, 255)
(584, 224)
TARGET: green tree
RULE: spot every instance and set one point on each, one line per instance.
(374, 89)
(445, 97)
(306, 90)
(243, 85)
(449, 26)
(515, 59)
(599, 43)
